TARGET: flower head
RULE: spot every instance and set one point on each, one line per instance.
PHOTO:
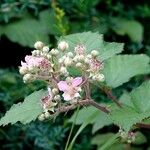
(32, 61)
(71, 88)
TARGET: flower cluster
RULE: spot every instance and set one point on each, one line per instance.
(127, 137)
(53, 65)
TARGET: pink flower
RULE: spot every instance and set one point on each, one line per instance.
(70, 88)
(32, 61)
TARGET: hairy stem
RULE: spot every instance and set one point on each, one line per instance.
(86, 102)
(111, 96)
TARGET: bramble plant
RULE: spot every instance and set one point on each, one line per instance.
(79, 62)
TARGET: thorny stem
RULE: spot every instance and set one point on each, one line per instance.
(86, 102)
(86, 88)
(111, 96)
(142, 125)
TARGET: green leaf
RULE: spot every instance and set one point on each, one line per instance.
(139, 138)
(105, 141)
(126, 117)
(140, 97)
(132, 28)
(126, 99)
(99, 119)
(25, 112)
(119, 69)
(49, 22)
(109, 49)
(93, 41)
(26, 32)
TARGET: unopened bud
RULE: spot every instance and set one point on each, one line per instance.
(57, 97)
(79, 64)
(89, 56)
(54, 52)
(63, 45)
(63, 70)
(48, 56)
(38, 45)
(94, 53)
(45, 49)
(68, 61)
(47, 114)
(23, 70)
(81, 57)
(41, 117)
(70, 54)
(55, 91)
(27, 77)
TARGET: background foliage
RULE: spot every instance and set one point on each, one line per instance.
(23, 22)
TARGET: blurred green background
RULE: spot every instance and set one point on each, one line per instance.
(23, 22)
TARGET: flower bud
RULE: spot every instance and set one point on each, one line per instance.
(81, 57)
(45, 49)
(100, 77)
(23, 70)
(38, 45)
(89, 56)
(63, 70)
(41, 117)
(86, 60)
(47, 114)
(57, 98)
(55, 91)
(70, 54)
(68, 61)
(79, 64)
(27, 77)
(94, 53)
(63, 45)
(54, 52)
(48, 56)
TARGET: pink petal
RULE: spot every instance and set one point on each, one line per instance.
(76, 81)
(27, 58)
(23, 64)
(67, 97)
(63, 86)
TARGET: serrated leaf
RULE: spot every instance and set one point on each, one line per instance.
(126, 99)
(119, 69)
(107, 50)
(132, 28)
(126, 117)
(140, 97)
(26, 32)
(99, 119)
(139, 138)
(25, 112)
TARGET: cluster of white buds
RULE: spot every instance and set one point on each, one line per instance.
(37, 64)
(128, 137)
